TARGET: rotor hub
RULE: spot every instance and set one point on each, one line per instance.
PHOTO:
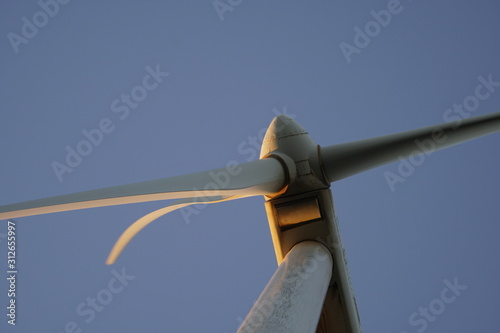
(292, 145)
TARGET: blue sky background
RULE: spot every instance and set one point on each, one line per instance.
(226, 78)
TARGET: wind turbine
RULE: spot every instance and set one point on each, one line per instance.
(310, 291)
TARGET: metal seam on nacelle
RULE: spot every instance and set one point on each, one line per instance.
(274, 137)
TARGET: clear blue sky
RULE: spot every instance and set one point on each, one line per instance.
(226, 78)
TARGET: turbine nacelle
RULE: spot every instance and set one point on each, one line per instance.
(306, 199)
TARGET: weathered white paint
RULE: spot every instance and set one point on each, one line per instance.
(293, 298)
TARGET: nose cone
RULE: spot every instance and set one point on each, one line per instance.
(283, 133)
(283, 126)
(286, 140)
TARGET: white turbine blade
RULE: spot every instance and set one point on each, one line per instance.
(292, 300)
(138, 225)
(347, 159)
(260, 177)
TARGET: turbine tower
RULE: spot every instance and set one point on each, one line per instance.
(311, 290)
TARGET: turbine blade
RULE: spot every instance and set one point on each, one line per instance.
(347, 159)
(141, 223)
(261, 177)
